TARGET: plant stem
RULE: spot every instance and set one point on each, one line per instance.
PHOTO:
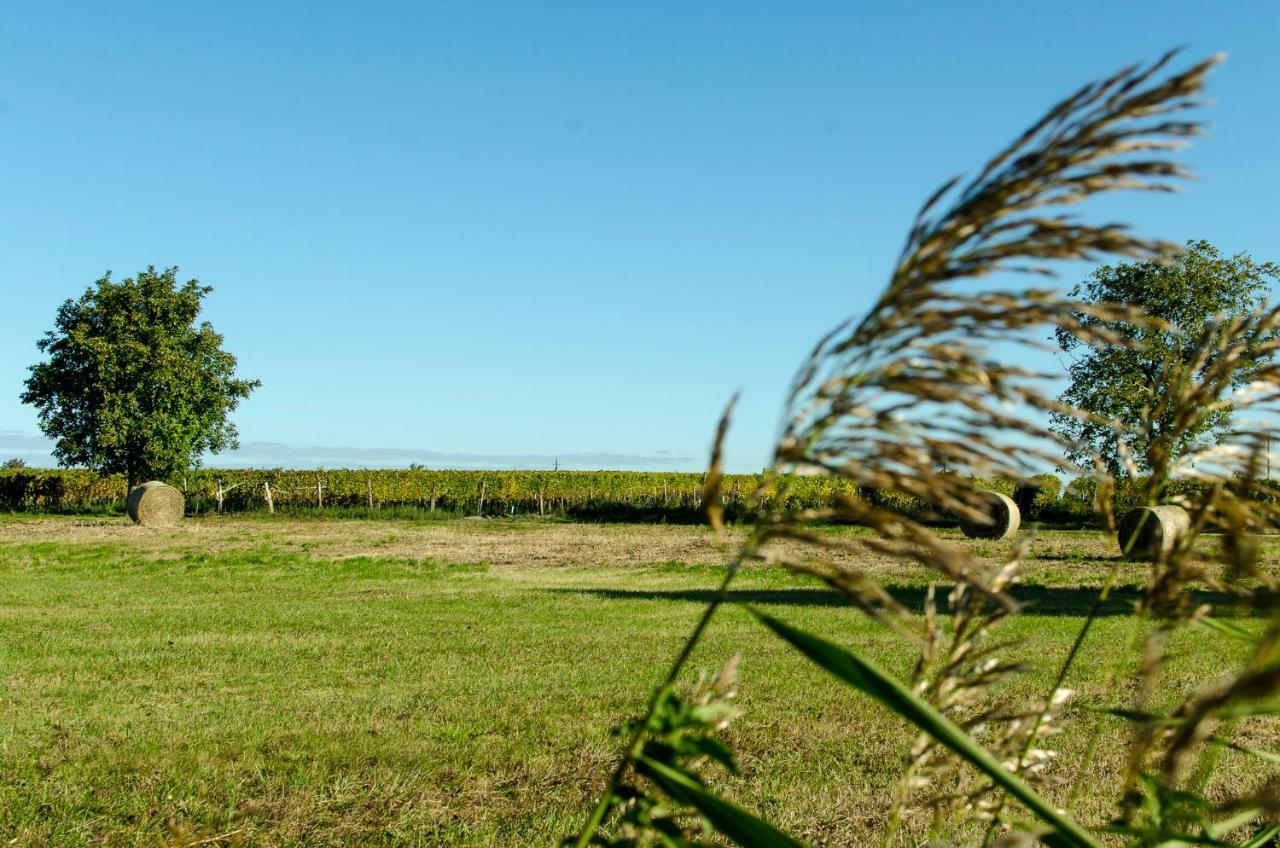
(1095, 739)
(636, 743)
(1063, 671)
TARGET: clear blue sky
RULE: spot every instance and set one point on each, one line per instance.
(500, 233)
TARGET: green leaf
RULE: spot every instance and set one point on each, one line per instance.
(1140, 717)
(1248, 710)
(866, 678)
(734, 822)
(711, 748)
(1240, 819)
(1262, 837)
(1244, 749)
(1226, 628)
(1169, 839)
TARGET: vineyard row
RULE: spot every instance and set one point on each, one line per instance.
(586, 494)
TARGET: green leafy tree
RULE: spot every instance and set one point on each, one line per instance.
(131, 383)
(1189, 292)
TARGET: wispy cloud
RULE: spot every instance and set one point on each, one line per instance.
(13, 440)
(275, 453)
(36, 451)
(33, 450)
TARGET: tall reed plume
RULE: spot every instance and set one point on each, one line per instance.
(926, 394)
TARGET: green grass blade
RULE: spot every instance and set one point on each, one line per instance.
(734, 822)
(866, 678)
(1244, 749)
(1227, 628)
(1240, 819)
(1263, 837)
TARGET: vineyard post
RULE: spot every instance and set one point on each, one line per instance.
(480, 503)
(266, 496)
(368, 481)
(319, 495)
(223, 492)
(433, 495)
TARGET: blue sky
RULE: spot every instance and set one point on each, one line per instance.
(497, 234)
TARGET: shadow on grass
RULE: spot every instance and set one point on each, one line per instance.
(1074, 559)
(1038, 600)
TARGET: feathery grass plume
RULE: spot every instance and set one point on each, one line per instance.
(712, 505)
(922, 396)
(915, 385)
(956, 684)
(1166, 800)
(1172, 757)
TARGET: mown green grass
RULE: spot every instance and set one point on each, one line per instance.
(290, 699)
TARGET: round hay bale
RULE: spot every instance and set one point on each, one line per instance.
(1149, 531)
(1000, 521)
(155, 504)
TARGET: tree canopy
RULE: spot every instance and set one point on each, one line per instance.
(131, 383)
(1187, 292)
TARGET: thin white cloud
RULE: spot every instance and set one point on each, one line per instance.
(36, 451)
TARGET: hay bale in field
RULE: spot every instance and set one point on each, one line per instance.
(1149, 531)
(155, 504)
(1000, 519)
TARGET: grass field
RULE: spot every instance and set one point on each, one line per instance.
(450, 683)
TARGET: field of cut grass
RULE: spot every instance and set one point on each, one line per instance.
(299, 682)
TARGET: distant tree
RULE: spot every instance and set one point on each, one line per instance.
(1189, 290)
(15, 463)
(132, 384)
